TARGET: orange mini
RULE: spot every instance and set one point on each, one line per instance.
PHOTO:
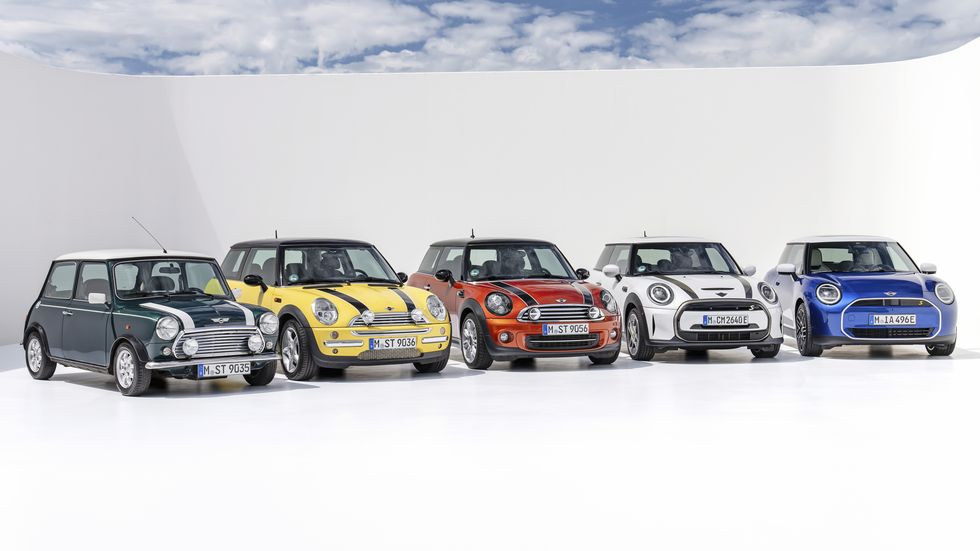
(510, 299)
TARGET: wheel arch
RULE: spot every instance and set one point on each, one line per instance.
(36, 327)
(134, 342)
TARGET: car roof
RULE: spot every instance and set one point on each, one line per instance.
(298, 241)
(463, 241)
(839, 238)
(119, 254)
(662, 239)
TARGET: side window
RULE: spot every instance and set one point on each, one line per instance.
(262, 262)
(604, 257)
(621, 258)
(93, 278)
(429, 261)
(451, 259)
(61, 281)
(232, 265)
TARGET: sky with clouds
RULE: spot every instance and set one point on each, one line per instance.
(296, 36)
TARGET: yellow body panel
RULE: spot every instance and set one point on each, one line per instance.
(378, 298)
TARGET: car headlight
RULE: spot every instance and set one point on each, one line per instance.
(269, 323)
(324, 311)
(594, 313)
(828, 293)
(767, 293)
(660, 293)
(534, 314)
(167, 328)
(256, 343)
(436, 307)
(944, 293)
(498, 303)
(608, 301)
(418, 316)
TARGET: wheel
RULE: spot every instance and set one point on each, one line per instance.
(605, 359)
(636, 332)
(262, 376)
(132, 379)
(432, 367)
(768, 351)
(39, 365)
(474, 347)
(804, 342)
(932, 349)
(297, 362)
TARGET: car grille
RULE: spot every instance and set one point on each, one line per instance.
(393, 354)
(736, 333)
(722, 336)
(561, 342)
(385, 318)
(891, 302)
(891, 332)
(559, 312)
(214, 343)
(723, 305)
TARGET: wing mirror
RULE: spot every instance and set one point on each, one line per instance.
(97, 298)
(402, 276)
(786, 269)
(255, 281)
(749, 271)
(612, 270)
(445, 275)
(582, 274)
(927, 268)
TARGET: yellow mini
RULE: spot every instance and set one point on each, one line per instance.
(340, 304)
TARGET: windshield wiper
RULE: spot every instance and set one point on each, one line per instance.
(374, 280)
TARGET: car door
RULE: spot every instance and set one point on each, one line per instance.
(620, 256)
(52, 307)
(260, 262)
(450, 258)
(85, 329)
(424, 277)
(786, 286)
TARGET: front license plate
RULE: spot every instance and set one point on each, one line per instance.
(223, 370)
(893, 319)
(725, 319)
(390, 343)
(565, 329)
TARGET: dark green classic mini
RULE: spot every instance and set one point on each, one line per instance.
(131, 313)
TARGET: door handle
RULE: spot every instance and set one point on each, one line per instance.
(67, 313)
(427, 287)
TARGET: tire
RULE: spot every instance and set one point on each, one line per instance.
(804, 342)
(262, 376)
(941, 349)
(132, 379)
(432, 367)
(635, 333)
(608, 358)
(39, 364)
(473, 344)
(297, 362)
(768, 351)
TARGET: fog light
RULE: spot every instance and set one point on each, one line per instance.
(255, 343)
(595, 313)
(418, 316)
(505, 337)
(269, 345)
(189, 347)
(442, 330)
(167, 351)
(613, 334)
(534, 314)
(367, 317)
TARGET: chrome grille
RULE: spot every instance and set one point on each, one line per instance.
(219, 342)
(391, 354)
(559, 312)
(385, 318)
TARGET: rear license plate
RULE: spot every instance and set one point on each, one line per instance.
(713, 320)
(390, 343)
(223, 370)
(565, 329)
(893, 319)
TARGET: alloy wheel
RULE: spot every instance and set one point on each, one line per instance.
(290, 350)
(801, 328)
(633, 333)
(34, 355)
(468, 342)
(125, 368)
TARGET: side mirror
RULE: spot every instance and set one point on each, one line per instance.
(611, 270)
(402, 276)
(255, 281)
(582, 274)
(927, 268)
(786, 269)
(444, 275)
(749, 271)
(97, 298)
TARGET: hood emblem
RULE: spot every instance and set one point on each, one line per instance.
(721, 294)
(389, 308)
(219, 320)
(561, 300)
(891, 293)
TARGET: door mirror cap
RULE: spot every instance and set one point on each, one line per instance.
(786, 269)
(610, 270)
(927, 268)
(255, 281)
(97, 298)
(402, 276)
(444, 275)
(749, 271)
(582, 274)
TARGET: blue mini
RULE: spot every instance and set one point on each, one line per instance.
(836, 290)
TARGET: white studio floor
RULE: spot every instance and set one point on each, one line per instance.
(859, 449)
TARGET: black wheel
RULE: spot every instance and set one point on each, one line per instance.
(768, 351)
(636, 336)
(473, 345)
(262, 376)
(297, 362)
(804, 340)
(39, 365)
(132, 379)
(605, 359)
(432, 367)
(935, 349)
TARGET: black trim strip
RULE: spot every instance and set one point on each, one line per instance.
(684, 287)
(586, 294)
(746, 284)
(521, 294)
(408, 300)
(361, 308)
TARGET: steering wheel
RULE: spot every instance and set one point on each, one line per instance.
(360, 274)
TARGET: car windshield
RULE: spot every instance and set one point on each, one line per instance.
(144, 278)
(516, 261)
(859, 257)
(682, 258)
(331, 264)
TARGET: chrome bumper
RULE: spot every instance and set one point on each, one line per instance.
(222, 360)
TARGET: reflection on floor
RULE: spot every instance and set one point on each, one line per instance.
(872, 447)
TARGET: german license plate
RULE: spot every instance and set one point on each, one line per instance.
(714, 320)
(565, 329)
(893, 319)
(390, 343)
(223, 370)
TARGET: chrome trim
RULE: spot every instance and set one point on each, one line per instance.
(390, 332)
(343, 344)
(79, 309)
(184, 317)
(939, 328)
(429, 340)
(384, 318)
(545, 307)
(205, 331)
(684, 305)
(227, 359)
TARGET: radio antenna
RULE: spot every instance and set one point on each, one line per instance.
(472, 235)
(277, 234)
(150, 234)
(644, 233)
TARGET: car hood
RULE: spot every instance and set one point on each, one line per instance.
(203, 312)
(877, 284)
(357, 297)
(546, 291)
(708, 286)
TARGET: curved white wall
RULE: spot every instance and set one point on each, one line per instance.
(751, 156)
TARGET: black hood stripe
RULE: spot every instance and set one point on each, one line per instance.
(404, 296)
(521, 294)
(586, 294)
(684, 287)
(746, 285)
(361, 308)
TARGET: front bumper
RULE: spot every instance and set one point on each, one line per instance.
(340, 347)
(526, 339)
(664, 325)
(850, 322)
(257, 358)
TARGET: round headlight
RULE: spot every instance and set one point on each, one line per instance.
(436, 307)
(256, 343)
(828, 293)
(608, 301)
(269, 323)
(189, 347)
(167, 328)
(595, 313)
(367, 317)
(944, 293)
(660, 293)
(418, 316)
(324, 311)
(767, 293)
(534, 314)
(498, 303)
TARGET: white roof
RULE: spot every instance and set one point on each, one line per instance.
(666, 239)
(114, 254)
(836, 238)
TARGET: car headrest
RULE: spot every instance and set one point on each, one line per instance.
(816, 258)
(96, 286)
(161, 283)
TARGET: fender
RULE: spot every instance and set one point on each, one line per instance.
(294, 312)
(632, 299)
(35, 326)
(474, 306)
(133, 341)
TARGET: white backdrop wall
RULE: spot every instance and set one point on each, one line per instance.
(750, 156)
